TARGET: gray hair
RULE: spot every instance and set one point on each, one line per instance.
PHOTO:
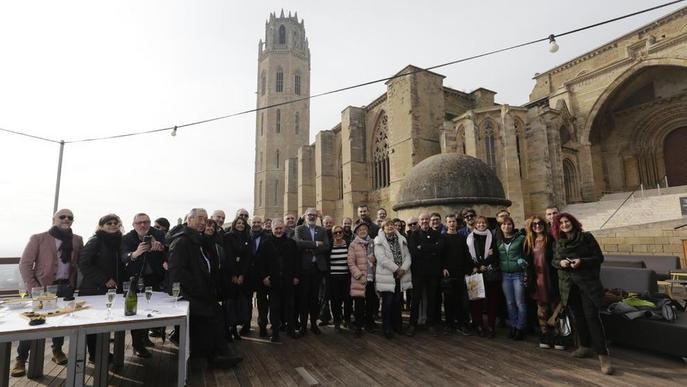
(196, 212)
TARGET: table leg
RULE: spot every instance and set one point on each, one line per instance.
(102, 352)
(183, 337)
(5, 355)
(72, 358)
(36, 358)
(80, 362)
(118, 360)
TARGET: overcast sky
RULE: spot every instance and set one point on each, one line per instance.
(75, 69)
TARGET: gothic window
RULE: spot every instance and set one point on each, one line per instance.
(460, 139)
(519, 145)
(572, 187)
(282, 35)
(297, 84)
(280, 81)
(277, 163)
(489, 144)
(260, 162)
(339, 170)
(380, 154)
(297, 122)
(278, 127)
(263, 83)
(276, 191)
(260, 193)
(262, 123)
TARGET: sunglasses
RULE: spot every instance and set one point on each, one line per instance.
(63, 217)
(112, 223)
(469, 216)
(537, 224)
(338, 232)
(143, 222)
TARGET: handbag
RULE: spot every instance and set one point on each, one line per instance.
(563, 323)
(475, 286)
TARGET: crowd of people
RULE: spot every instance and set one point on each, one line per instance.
(351, 275)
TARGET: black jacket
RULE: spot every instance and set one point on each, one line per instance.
(98, 264)
(456, 258)
(153, 259)
(426, 250)
(550, 271)
(284, 264)
(188, 267)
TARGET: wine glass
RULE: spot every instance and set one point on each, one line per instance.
(22, 289)
(111, 293)
(141, 284)
(176, 290)
(149, 295)
(71, 306)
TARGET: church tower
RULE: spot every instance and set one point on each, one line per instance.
(283, 75)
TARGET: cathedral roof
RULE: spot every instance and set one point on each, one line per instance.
(449, 179)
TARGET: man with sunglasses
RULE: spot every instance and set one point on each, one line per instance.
(469, 215)
(50, 258)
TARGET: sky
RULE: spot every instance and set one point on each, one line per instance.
(79, 69)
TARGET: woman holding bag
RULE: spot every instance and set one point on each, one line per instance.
(578, 259)
(482, 248)
(392, 275)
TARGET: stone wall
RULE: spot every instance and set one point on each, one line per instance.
(659, 238)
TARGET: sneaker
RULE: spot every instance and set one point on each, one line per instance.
(464, 330)
(58, 357)
(545, 341)
(323, 323)
(581, 352)
(519, 335)
(19, 369)
(560, 343)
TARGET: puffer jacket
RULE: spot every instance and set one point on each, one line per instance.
(512, 258)
(358, 263)
(384, 274)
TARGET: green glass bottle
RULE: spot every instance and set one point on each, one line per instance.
(131, 300)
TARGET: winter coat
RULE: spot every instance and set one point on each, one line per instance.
(511, 256)
(586, 277)
(308, 247)
(384, 273)
(357, 264)
(456, 257)
(283, 265)
(98, 264)
(426, 249)
(153, 259)
(550, 272)
(237, 250)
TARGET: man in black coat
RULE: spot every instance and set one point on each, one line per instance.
(197, 273)
(143, 253)
(280, 273)
(262, 250)
(364, 217)
(426, 249)
(456, 263)
(313, 245)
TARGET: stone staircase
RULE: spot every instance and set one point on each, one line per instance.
(648, 207)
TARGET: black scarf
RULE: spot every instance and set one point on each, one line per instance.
(395, 247)
(568, 248)
(112, 241)
(66, 237)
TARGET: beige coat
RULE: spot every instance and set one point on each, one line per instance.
(38, 263)
(357, 264)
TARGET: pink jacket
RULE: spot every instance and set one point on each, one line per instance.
(38, 263)
(357, 264)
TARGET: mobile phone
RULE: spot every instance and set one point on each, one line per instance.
(147, 239)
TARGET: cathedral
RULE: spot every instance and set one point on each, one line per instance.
(611, 120)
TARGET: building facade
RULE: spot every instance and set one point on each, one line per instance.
(611, 120)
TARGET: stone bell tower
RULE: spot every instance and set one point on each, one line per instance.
(283, 76)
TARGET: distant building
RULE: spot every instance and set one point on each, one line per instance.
(606, 121)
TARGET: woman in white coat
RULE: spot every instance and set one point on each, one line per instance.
(392, 275)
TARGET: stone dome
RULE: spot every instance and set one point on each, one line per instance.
(450, 179)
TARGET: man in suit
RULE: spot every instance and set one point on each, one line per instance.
(313, 245)
(262, 251)
(197, 272)
(50, 258)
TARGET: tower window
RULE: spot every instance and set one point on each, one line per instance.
(380, 155)
(262, 123)
(297, 122)
(297, 84)
(276, 191)
(263, 83)
(277, 163)
(489, 144)
(260, 193)
(282, 35)
(278, 127)
(280, 81)
(260, 161)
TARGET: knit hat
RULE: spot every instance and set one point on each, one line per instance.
(357, 226)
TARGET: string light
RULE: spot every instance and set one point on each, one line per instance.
(553, 47)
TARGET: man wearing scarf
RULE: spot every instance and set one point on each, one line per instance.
(50, 258)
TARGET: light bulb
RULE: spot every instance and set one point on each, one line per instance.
(174, 132)
(553, 46)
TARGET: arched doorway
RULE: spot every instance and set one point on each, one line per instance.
(675, 156)
(572, 187)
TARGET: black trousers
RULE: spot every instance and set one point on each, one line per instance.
(457, 304)
(325, 298)
(262, 295)
(138, 336)
(310, 296)
(340, 292)
(281, 305)
(429, 286)
(366, 307)
(590, 329)
(391, 309)
(206, 335)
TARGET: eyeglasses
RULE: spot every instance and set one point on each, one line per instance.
(412, 224)
(142, 222)
(112, 223)
(338, 232)
(469, 216)
(63, 217)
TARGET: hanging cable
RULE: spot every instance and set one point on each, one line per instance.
(550, 38)
(29, 135)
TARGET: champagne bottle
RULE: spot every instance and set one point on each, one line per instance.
(131, 301)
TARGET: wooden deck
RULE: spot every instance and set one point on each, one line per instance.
(337, 359)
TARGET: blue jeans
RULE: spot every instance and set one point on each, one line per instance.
(514, 289)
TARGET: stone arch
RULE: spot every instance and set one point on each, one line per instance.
(571, 181)
(610, 90)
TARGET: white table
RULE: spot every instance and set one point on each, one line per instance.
(163, 312)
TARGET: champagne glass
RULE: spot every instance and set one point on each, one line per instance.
(22, 289)
(176, 290)
(72, 304)
(149, 295)
(111, 293)
(141, 284)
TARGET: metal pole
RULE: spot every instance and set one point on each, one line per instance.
(59, 176)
